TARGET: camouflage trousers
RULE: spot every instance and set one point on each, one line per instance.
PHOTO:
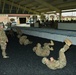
(62, 58)
(62, 52)
(3, 48)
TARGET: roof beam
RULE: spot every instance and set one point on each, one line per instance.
(21, 7)
(67, 4)
(67, 8)
(17, 9)
(57, 2)
(45, 11)
(3, 6)
(47, 5)
(11, 6)
(20, 1)
(42, 9)
(30, 4)
(23, 11)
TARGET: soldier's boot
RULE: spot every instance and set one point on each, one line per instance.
(67, 45)
(52, 43)
(4, 54)
(51, 48)
(68, 42)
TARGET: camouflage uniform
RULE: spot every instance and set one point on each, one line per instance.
(19, 32)
(57, 64)
(47, 47)
(24, 41)
(42, 51)
(3, 42)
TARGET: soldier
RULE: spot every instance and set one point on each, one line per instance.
(24, 41)
(19, 32)
(3, 41)
(21, 39)
(42, 51)
(61, 62)
(46, 45)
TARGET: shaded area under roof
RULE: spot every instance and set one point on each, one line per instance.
(35, 6)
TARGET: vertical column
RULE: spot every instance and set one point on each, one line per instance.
(60, 14)
(3, 7)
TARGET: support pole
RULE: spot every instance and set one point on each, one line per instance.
(60, 14)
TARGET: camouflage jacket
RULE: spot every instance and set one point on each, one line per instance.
(3, 37)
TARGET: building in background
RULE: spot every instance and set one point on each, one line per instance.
(4, 18)
(28, 18)
(19, 18)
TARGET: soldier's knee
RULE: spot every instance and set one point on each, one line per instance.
(62, 50)
(3, 47)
